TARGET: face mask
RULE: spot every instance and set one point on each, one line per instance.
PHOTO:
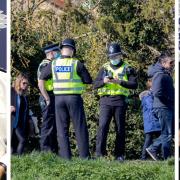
(57, 55)
(115, 61)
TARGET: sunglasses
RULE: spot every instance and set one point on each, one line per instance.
(24, 83)
(171, 62)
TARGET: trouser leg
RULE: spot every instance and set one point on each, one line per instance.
(62, 125)
(164, 140)
(53, 142)
(104, 121)
(168, 134)
(47, 128)
(21, 140)
(14, 142)
(147, 143)
(119, 116)
(53, 136)
(77, 114)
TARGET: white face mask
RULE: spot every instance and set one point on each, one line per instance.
(115, 61)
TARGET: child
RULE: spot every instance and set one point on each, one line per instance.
(151, 123)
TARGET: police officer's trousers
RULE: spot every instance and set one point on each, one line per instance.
(71, 107)
(106, 114)
(48, 140)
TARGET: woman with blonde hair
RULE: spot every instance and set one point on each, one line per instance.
(19, 113)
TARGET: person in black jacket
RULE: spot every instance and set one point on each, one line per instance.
(163, 104)
(69, 79)
(113, 82)
(19, 113)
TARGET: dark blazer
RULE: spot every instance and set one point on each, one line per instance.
(16, 101)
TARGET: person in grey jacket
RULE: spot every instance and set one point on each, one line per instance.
(163, 104)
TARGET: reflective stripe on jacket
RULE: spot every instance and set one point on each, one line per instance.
(65, 77)
(112, 88)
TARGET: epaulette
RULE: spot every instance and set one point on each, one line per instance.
(46, 61)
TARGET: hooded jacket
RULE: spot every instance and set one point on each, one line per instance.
(162, 86)
(151, 122)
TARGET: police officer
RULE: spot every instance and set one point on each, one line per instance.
(69, 79)
(48, 140)
(113, 82)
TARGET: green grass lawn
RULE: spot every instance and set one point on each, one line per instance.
(47, 166)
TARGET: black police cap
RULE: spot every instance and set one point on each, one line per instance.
(114, 49)
(68, 42)
(51, 47)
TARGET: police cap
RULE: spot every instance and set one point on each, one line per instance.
(51, 47)
(114, 49)
(68, 42)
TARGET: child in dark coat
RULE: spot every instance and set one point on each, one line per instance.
(152, 126)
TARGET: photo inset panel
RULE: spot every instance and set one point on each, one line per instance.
(3, 92)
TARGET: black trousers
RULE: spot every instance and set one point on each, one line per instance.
(48, 140)
(106, 114)
(18, 141)
(71, 107)
(148, 141)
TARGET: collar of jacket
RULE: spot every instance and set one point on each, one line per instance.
(63, 57)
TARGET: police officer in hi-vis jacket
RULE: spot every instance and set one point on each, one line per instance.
(48, 140)
(113, 82)
(69, 79)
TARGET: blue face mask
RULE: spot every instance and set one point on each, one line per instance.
(57, 55)
(115, 61)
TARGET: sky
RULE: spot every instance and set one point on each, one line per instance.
(3, 62)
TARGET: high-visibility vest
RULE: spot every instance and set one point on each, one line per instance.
(65, 77)
(48, 84)
(112, 88)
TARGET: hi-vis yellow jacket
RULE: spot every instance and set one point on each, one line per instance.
(65, 77)
(48, 83)
(112, 88)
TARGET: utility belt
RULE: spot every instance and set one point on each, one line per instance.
(120, 95)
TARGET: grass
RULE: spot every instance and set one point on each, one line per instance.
(47, 166)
